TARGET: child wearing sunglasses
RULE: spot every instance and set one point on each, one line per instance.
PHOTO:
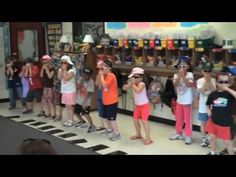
(67, 74)
(142, 107)
(219, 105)
(183, 82)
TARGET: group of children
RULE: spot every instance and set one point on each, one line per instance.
(58, 85)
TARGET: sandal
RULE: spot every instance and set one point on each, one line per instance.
(42, 113)
(54, 117)
(147, 142)
(47, 116)
(100, 129)
(136, 137)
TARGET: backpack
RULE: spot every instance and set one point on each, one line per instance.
(169, 94)
(155, 91)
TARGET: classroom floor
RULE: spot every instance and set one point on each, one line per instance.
(101, 144)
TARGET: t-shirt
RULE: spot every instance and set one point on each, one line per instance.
(184, 93)
(46, 81)
(221, 107)
(69, 86)
(110, 94)
(35, 81)
(203, 97)
(87, 87)
(15, 80)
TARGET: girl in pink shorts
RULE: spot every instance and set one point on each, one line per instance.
(67, 74)
(142, 106)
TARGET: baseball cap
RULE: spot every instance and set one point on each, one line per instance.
(207, 66)
(108, 63)
(87, 71)
(136, 70)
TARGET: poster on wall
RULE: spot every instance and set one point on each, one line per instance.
(181, 29)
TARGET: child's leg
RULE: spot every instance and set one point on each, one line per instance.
(70, 112)
(61, 108)
(12, 98)
(213, 142)
(137, 129)
(114, 125)
(187, 110)
(229, 147)
(89, 119)
(179, 119)
(147, 131)
(19, 94)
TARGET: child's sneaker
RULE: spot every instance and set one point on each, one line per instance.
(80, 124)
(188, 140)
(68, 123)
(58, 118)
(176, 137)
(115, 136)
(28, 111)
(91, 129)
(107, 132)
(204, 142)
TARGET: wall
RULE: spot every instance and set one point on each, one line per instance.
(67, 30)
(4, 52)
(221, 29)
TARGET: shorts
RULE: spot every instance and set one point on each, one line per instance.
(110, 111)
(68, 98)
(142, 112)
(79, 110)
(219, 131)
(37, 94)
(203, 117)
(48, 94)
(100, 108)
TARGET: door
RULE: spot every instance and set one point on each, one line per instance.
(27, 40)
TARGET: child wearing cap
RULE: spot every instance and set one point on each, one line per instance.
(109, 99)
(142, 106)
(85, 90)
(205, 86)
(47, 74)
(67, 74)
(219, 105)
(183, 81)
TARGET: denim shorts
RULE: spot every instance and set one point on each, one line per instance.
(203, 117)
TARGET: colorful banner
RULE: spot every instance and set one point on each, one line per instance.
(116, 25)
(138, 24)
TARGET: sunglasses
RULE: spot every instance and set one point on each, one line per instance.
(182, 66)
(30, 140)
(103, 68)
(64, 63)
(207, 71)
(223, 82)
(136, 77)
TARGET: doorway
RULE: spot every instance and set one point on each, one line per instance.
(27, 40)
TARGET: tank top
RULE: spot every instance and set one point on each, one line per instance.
(140, 98)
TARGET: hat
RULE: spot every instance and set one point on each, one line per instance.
(46, 57)
(67, 58)
(108, 62)
(136, 70)
(87, 71)
(207, 66)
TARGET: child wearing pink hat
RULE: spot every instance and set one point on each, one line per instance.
(142, 105)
